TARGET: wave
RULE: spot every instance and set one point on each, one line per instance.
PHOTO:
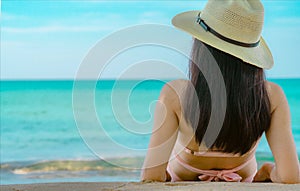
(124, 164)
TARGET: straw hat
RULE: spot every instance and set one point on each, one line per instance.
(233, 26)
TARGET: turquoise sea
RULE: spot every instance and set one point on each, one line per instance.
(44, 140)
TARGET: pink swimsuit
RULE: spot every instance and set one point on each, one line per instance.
(212, 175)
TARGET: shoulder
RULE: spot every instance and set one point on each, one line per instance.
(173, 89)
(276, 95)
(172, 92)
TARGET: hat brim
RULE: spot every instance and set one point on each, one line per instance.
(259, 56)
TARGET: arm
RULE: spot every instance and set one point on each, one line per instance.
(281, 142)
(163, 138)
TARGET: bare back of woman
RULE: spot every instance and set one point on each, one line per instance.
(179, 149)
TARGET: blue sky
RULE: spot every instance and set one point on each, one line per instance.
(49, 39)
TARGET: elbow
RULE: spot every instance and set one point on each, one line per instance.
(151, 177)
(290, 181)
(290, 178)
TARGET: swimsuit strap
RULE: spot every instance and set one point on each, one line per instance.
(216, 175)
(203, 153)
(216, 154)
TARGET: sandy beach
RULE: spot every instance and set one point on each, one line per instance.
(117, 186)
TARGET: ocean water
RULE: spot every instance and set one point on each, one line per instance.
(63, 131)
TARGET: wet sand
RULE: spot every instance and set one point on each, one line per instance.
(153, 186)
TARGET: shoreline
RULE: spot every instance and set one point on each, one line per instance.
(114, 186)
(77, 170)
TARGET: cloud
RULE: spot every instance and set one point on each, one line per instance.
(56, 28)
(292, 21)
(89, 22)
(153, 17)
(12, 17)
(12, 43)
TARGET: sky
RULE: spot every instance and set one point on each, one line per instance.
(50, 39)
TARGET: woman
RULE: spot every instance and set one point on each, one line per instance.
(180, 148)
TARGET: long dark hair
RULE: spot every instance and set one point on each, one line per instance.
(248, 107)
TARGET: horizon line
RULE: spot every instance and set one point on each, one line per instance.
(111, 79)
